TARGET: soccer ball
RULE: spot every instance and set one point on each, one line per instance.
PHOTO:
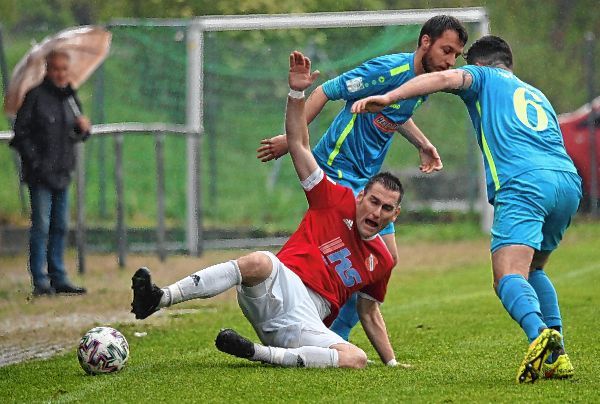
(102, 350)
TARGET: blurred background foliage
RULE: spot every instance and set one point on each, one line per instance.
(144, 81)
(546, 35)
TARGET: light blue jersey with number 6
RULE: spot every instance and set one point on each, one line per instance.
(517, 128)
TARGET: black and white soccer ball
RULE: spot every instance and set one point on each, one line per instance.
(102, 350)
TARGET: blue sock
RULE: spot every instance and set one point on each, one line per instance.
(548, 301)
(547, 297)
(346, 319)
(521, 302)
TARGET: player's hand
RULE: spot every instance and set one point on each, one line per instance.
(300, 77)
(374, 103)
(272, 148)
(430, 159)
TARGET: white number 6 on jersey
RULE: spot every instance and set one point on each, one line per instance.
(521, 103)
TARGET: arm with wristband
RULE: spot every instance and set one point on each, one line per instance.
(334, 89)
(277, 146)
(300, 78)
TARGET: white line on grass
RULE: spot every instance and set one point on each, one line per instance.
(577, 272)
(431, 301)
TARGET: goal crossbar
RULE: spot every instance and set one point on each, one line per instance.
(313, 20)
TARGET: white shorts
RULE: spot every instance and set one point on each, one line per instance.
(282, 312)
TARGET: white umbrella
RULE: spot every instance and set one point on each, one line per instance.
(87, 47)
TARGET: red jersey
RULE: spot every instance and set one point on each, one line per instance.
(328, 253)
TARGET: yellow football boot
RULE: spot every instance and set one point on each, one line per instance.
(561, 368)
(536, 355)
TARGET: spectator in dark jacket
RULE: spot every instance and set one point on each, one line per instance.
(48, 125)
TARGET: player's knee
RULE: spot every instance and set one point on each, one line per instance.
(360, 359)
(254, 268)
(539, 261)
(354, 358)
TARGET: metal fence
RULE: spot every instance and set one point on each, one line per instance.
(117, 132)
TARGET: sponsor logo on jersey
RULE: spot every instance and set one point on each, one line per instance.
(371, 262)
(384, 124)
(355, 84)
(331, 246)
(348, 223)
(338, 257)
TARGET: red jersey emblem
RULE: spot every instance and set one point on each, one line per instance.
(371, 262)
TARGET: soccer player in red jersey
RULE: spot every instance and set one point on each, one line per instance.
(291, 298)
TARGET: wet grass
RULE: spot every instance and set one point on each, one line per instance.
(442, 316)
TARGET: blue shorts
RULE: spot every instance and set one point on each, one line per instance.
(357, 185)
(535, 209)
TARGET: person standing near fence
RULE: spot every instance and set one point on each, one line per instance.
(354, 146)
(47, 126)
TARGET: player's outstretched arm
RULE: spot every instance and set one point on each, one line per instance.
(430, 158)
(374, 326)
(300, 78)
(275, 147)
(421, 85)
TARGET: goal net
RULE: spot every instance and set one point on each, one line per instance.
(225, 78)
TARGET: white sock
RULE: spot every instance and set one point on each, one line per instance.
(304, 356)
(203, 284)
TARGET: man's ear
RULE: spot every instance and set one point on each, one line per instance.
(398, 209)
(360, 195)
(425, 42)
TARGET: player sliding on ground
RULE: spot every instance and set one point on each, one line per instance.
(354, 146)
(531, 182)
(290, 298)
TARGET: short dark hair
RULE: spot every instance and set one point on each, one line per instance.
(57, 53)
(436, 26)
(388, 181)
(490, 50)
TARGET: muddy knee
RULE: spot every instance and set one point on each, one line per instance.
(254, 268)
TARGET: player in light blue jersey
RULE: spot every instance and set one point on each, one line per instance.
(531, 182)
(354, 146)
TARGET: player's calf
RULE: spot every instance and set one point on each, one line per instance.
(229, 341)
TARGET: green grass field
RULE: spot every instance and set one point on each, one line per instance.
(442, 316)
